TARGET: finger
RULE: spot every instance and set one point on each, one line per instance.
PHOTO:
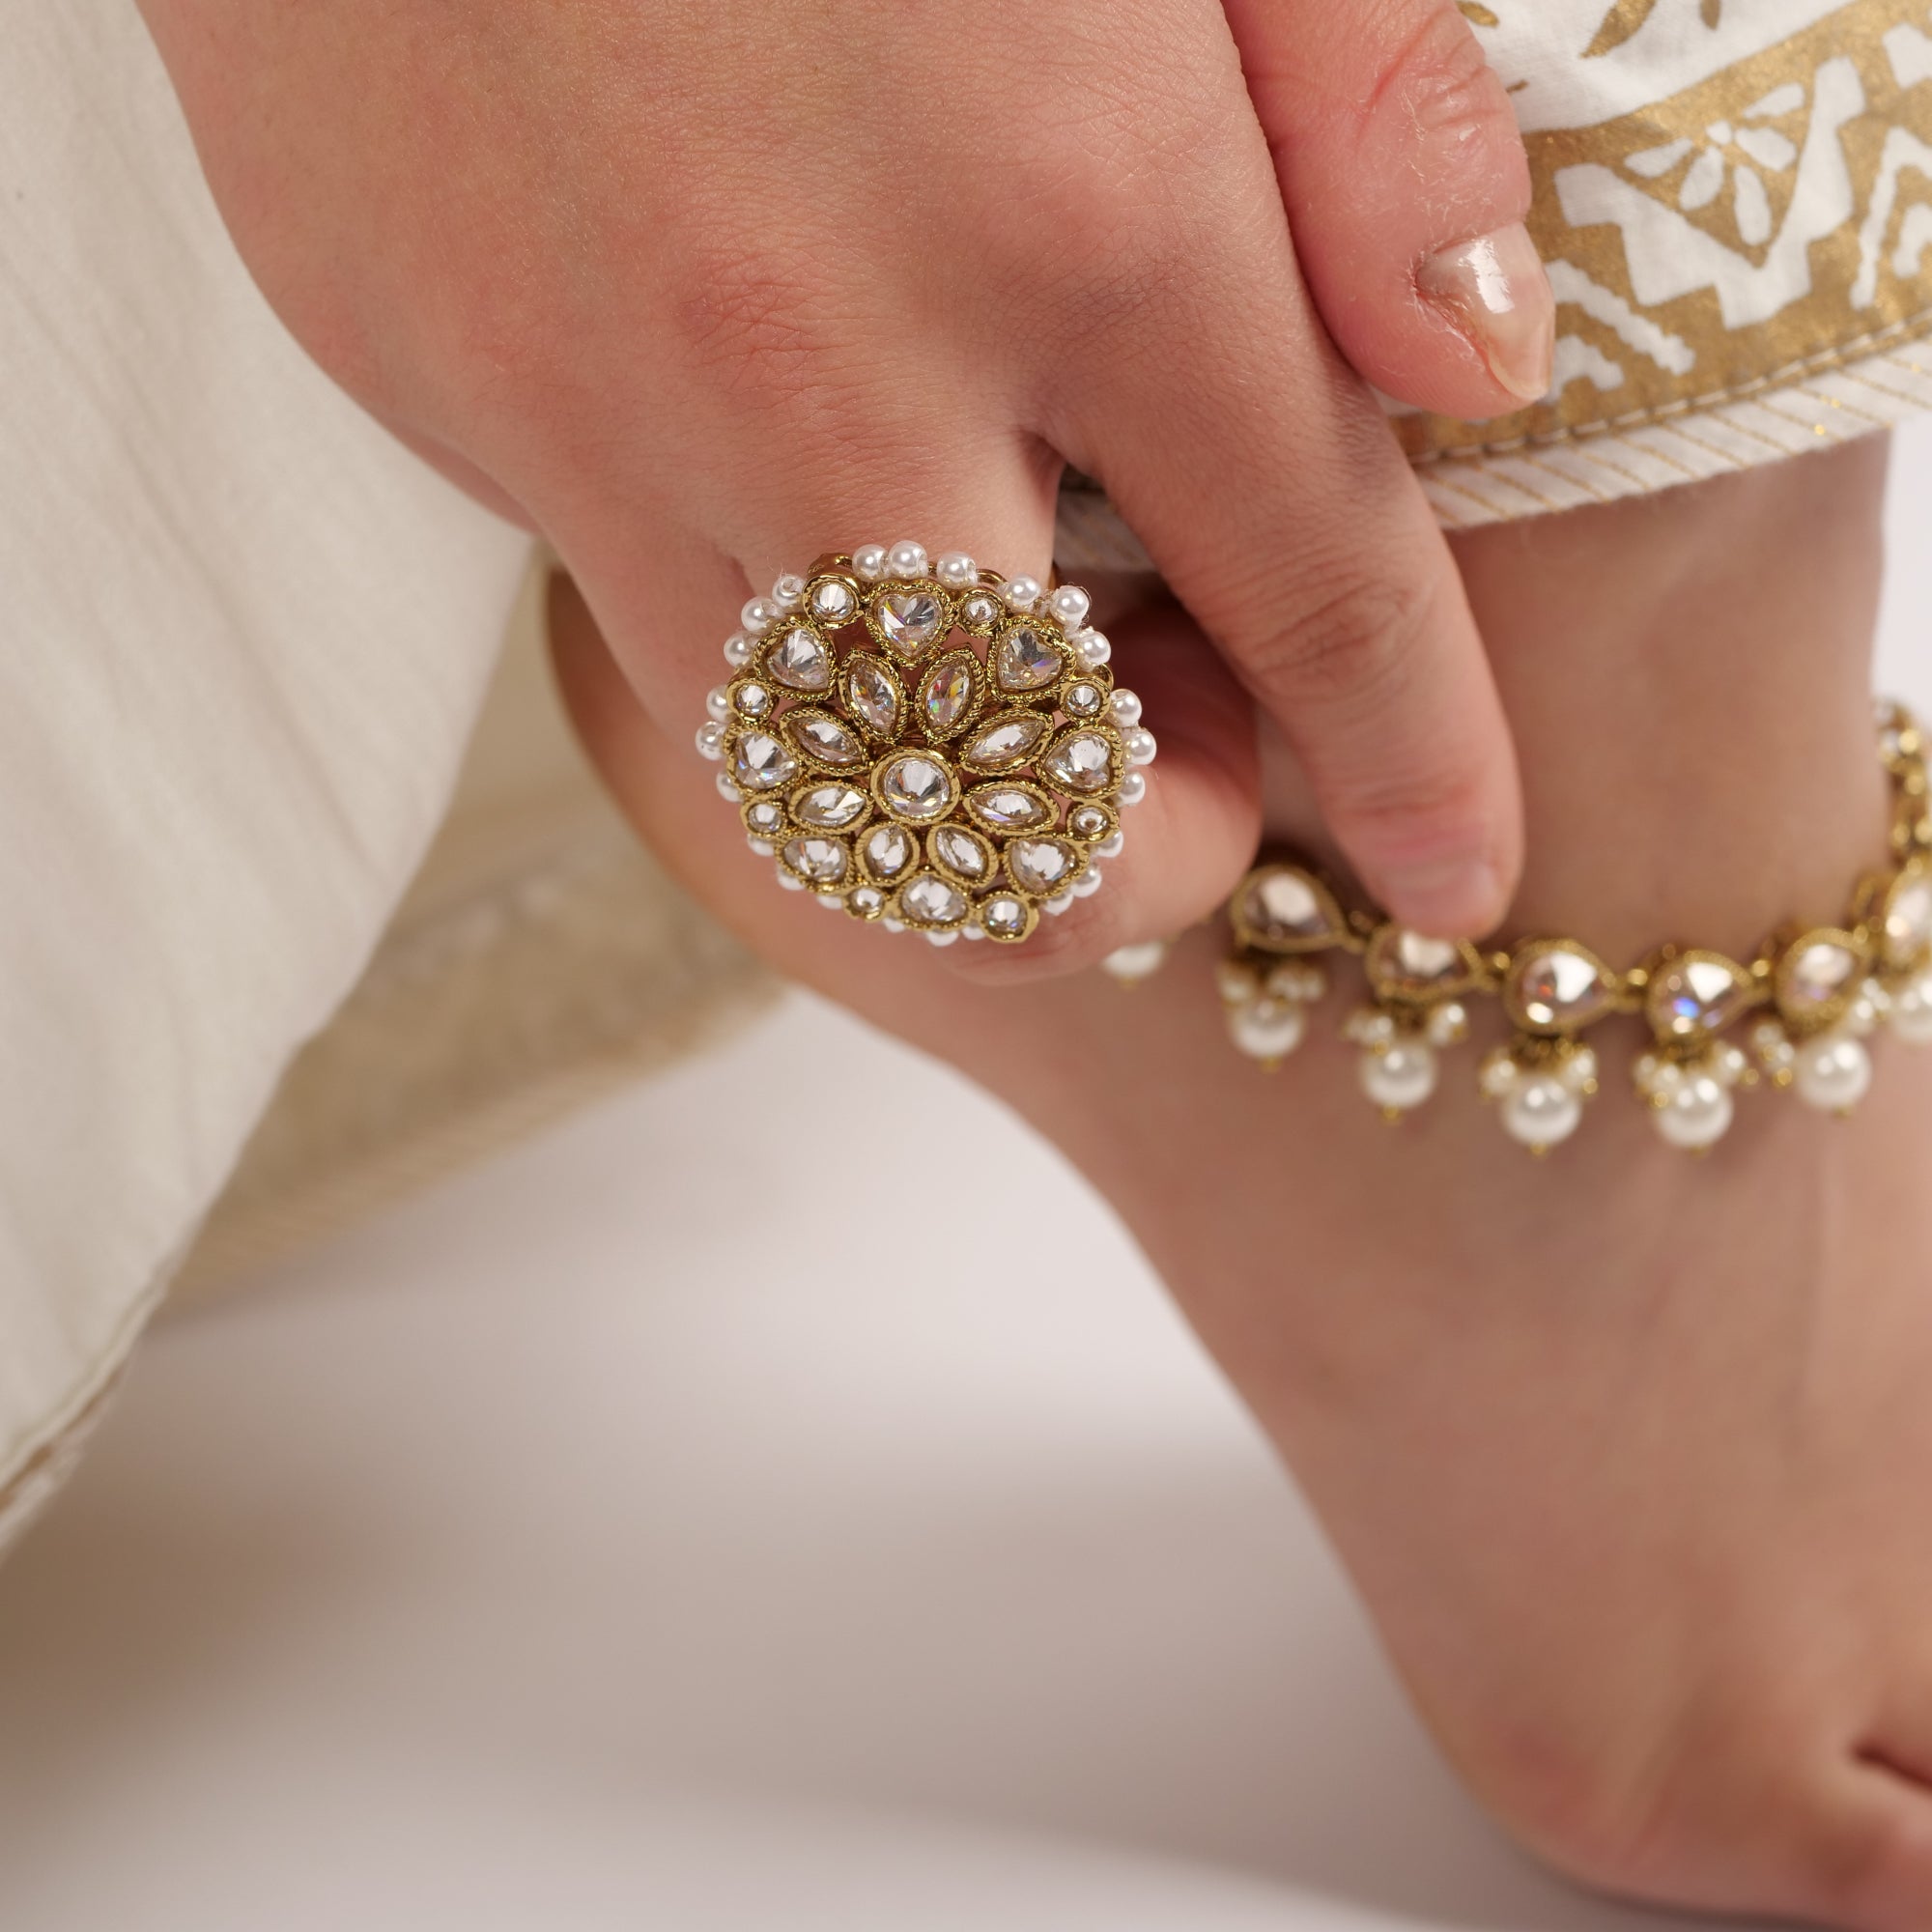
(1407, 185)
(1264, 483)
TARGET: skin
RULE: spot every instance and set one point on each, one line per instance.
(1627, 1451)
(702, 290)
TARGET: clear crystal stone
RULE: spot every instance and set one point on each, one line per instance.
(754, 699)
(1559, 988)
(980, 612)
(1001, 915)
(833, 806)
(873, 694)
(930, 901)
(946, 695)
(833, 601)
(1286, 904)
(916, 788)
(911, 620)
(824, 738)
(1024, 660)
(1007, 741)
(1041, 865)
(1007, 809)
(1083, 762)
(1084, 700)
(1699, 996)
(1821, 972)
(960, 850)
(822, 861)
(1089, 821)
(888, 851)
(759, 762)
(800, 660)
(765, 816)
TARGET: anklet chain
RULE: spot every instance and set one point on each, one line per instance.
(1807, 1001)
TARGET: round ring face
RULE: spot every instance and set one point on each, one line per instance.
(925, 744)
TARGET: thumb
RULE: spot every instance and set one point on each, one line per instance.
(1405, 184)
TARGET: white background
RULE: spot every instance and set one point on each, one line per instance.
(564, 1552)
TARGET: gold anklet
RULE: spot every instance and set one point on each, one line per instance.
(1810, 997)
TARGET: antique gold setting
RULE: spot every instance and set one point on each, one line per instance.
(925, 744)
(1807, 1001)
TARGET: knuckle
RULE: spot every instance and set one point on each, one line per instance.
(1347, 640)
(1437, 89)
(1877, 1871)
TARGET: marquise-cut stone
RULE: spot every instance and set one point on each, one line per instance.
(1820, 974)
(1908, 920)
(962, 852)
(1083, 762)
(1024, 660)
(1007, 741)
(872, 695)
(1009, 808)
(833, 806)
(946, 692)
(930, 901)
(823, 737)
(916, 788)
(1287, 906)
(912, 620)
(888, 851)
(1696, 996)
(1557, 988)
(800, 660)
(822, 861)
(759, 762)
(1041, 865)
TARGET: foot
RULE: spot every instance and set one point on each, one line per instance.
(1629, 1454)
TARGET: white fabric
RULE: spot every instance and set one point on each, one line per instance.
(246, 632)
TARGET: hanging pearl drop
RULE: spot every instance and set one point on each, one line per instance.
(1912, 1010)
(1832, 1072)
(1399, 1077)
(1541, 1111)
(1698, 1114)
(1267, 1030)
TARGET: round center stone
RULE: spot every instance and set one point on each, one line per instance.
(916, 788)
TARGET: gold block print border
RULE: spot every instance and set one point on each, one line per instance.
(1764, 228)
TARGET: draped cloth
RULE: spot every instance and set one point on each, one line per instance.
(247, 636)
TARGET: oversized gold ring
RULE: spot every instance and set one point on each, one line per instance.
(928, 745)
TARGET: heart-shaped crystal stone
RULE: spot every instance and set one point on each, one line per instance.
(822, 737)
(822, 861)
(872, 694)
(832, 807)
(1557, 990)
(1041, 865)
(1083, 762)
(1009, 808)
(1023, 660)
(1699, 994)
(800, 660)
(1287, 909)
(911, 621)
(759, 762)
(1008, 741)
(948, 692)
(888, 851)
(962, 853)
(916, 786)
(930, 900)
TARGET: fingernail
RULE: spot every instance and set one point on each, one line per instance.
(1446, 898)
(1498, 290)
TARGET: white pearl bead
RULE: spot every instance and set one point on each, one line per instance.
(894, 924)
(1093, 648)
(868, 562)
(711, 741)
(1832, 1072)
(1541, 1111)
(726, 789)
(1059, 903)
(1111, 847)
(1911, 1011)
(956, 571)
(1698, 1114)
(1087, 884)
(941, 938)
(831, 902)
(1579, 1071)
(1070, 604)
(759, 615)
(738, 649)
(1236, 981)
(788, 882)
(1133, 788)
(789, 592)
(1267, 1030)
(1140, 746)
(718, 704)
(1399, 1077)
(1126, 705)
(763, 847)
(1131, 963)
(974, 932)
(1022, 593)
(906, 559)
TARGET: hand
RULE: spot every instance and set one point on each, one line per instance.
(700, 291)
